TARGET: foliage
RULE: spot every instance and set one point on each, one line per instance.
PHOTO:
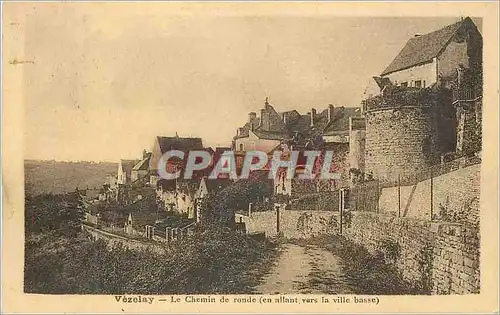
(62, 214)
(425, 261)
(391, 250)
(220, 207)
(347, 218)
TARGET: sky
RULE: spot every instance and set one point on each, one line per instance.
(103, 83)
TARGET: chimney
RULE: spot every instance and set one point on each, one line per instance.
(266, 104)
(251, 116)
(330, 112)
(283, 118)
(313, 116)
(263, 119)
(144, 154)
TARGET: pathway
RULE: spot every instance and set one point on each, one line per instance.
(305, 270)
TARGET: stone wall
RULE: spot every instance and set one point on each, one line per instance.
(115, 239)
(457, 193)
(292, 223)
(440, 257)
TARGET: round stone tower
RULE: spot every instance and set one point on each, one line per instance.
(401, 141)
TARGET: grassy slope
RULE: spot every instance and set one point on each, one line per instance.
(59, 177)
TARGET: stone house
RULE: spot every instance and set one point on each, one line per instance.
(140, 170)
(164, 144)
(429, 109)
(177, 196)
(436, 56)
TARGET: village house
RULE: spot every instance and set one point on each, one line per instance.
(140, 171)
(124, 175)
(436, 57)
(425, 107)
(164, 144)
(184, 195)
(179, 195)
(426, 59)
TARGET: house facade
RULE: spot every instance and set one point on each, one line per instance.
(140, 171)
(428, 107)
(437, 56)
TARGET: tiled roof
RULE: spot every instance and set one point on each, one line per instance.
(382, 82)
(244, 130)
(340, 120)
(423, 48)
(142, 165)
(262, 134)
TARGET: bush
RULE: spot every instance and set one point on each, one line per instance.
(213, 261)
(61, 213)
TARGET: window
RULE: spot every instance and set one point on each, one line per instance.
(241, 146)
(424, 84)
(418, 84)
(404, 84)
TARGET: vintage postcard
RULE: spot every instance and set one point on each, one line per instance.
(255, 157)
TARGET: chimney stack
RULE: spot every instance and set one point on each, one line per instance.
(313, 116)
(263, 119)
(330, 112)
(251, 116)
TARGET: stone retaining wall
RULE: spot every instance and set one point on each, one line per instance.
(438, 257)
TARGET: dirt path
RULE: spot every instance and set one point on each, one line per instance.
(305, 270)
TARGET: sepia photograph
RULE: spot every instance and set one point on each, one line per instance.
(286, 159)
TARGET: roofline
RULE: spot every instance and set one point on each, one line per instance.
(440, 51)
(405, 68)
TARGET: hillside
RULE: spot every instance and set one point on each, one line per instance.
(59, 177)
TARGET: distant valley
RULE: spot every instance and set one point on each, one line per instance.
(60, 177)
